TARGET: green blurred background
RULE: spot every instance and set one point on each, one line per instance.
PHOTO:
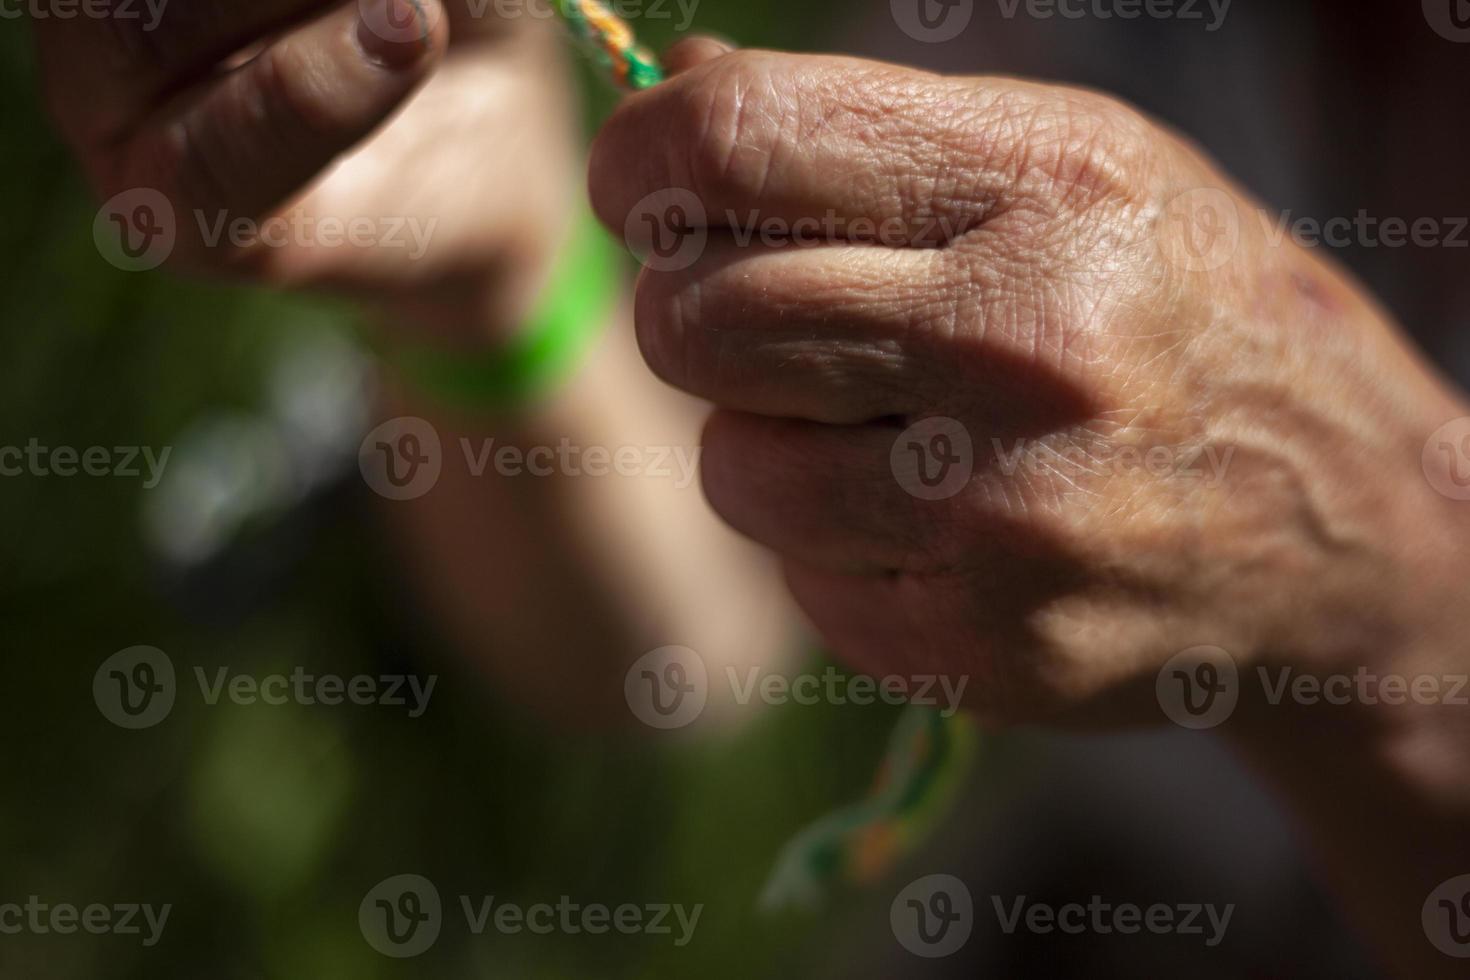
(265, 826)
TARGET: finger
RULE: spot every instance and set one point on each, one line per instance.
(827, 333)
(691, 52)
(796, 137)
(874, 621)
(827, 496)
(899, 625)
(257, 135)
(107, 73)
(996, 639)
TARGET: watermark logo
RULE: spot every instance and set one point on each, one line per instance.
(670, 687)
(1105, 918)
(135, 688)
(628, 10)
(404, 459)
(1209, 464)
(401, 459)
(1446, 459)
(299, 228)
(401, 916)
(398, 21)
(1449, 18)
(933, 917)
(574, 918)
(933, 459)
(676, 464)
(136, 230)
(667, 688)
(1199, 688)
(1199, 230)
(1364, 687)
(1181, 10)
(942, 692)
(1446, 917)
(668, 230)
(307, 689)
(932, 21)
(1364, 230)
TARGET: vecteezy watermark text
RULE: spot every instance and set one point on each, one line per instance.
(299, 229)
(668, 688)
(1363, 686)
(402, 916)
(122, 462)
(1209, 464)
(1211, 13)
(305, 688)
(403, 459)
(64, 918)
(1367, 231)
(669, 230)
(629, 10)
(414, 22)
(136, 688)
(1202, 228)
(139, 229)
(136, 10)
(934, 916)
(1200, 688)
(836, 687)
(1104, 918)
(573, 918)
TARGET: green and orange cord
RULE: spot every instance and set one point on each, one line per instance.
(928, 752)
(927, 759)
(612, 42)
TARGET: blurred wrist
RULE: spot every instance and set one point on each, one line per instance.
(576, 296)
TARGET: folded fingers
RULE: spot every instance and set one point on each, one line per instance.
(832, 333)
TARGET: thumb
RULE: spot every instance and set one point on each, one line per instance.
(691, 52)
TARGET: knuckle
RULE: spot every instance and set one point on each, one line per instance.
(1082, 150)
(287, 90)
(187, 162)
(663, 315)
(607, 170)
(734, 125)
(728, 473)
(745, 476)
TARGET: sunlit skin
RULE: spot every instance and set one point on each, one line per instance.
(1062, 301)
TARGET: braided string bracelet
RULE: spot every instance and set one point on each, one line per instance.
(927, 753)
(611, 42)
(583, 282)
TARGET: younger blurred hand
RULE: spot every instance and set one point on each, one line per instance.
(454, 162)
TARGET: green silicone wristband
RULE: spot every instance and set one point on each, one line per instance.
(571, 313)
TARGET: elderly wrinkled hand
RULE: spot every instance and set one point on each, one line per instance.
(1021, 388)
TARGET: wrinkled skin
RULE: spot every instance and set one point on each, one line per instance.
(1048, 288)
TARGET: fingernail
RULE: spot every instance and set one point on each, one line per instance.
(395, 32)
